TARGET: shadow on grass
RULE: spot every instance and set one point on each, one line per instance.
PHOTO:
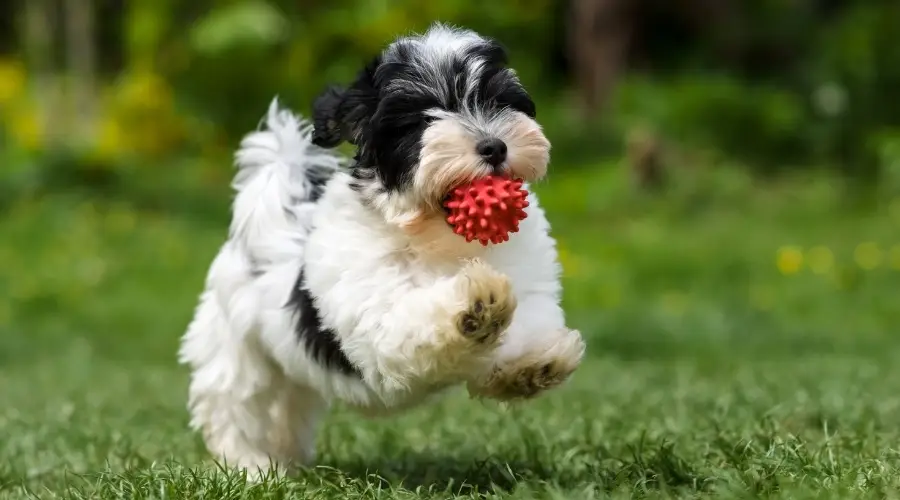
(647, 468)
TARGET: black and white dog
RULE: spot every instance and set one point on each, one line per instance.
(343, 281)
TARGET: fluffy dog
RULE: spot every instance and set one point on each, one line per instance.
(342, 280)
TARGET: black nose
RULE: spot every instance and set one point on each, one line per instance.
(492, 150)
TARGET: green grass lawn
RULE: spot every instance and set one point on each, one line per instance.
(714, 369)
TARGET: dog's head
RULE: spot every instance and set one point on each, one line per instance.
(431, 112)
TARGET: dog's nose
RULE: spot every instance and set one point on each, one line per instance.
(493, 151)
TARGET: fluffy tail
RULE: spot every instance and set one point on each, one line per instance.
(280, 172)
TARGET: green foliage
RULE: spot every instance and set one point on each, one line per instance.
(806, 84)
(759, 123)
(235, 26)
(242, 55)
(854, 58)
(782, 86)
(888, 146)
(819, 102)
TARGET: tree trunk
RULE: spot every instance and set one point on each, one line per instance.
(81, 66)
(600, 33)
(37, 41)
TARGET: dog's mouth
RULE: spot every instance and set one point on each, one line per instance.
(444, 205)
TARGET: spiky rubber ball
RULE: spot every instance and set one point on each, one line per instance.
(487, 209)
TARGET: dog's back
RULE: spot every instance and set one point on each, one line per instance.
(280, 176)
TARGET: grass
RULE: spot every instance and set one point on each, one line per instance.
(742, 341)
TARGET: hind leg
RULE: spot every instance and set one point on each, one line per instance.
(296, 413)
(250, 416)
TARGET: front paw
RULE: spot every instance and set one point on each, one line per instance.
(533, 373)
(489, 300)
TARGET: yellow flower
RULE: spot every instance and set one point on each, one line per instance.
(789, 260)
(868, 255)
(821, 260)
(12, 80)
(109, 138)
(25, 129)
(145, 90)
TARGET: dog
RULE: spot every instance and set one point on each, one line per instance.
(341, 279)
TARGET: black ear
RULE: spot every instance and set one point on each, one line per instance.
(326, 122)
(343, 114)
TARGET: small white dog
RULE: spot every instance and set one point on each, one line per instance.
(345, 282)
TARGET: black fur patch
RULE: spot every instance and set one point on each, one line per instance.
(317, 185)
(384, 112)
(321, 343)
(364, 177)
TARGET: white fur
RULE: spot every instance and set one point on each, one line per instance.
(393, 293)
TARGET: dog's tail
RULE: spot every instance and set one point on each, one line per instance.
(280, 174)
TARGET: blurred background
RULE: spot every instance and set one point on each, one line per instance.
(714, 160)
(725, 183)
(93, 90)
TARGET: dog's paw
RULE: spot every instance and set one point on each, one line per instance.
(533, 373)
(489, 300)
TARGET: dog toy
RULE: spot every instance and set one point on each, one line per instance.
(487, 209)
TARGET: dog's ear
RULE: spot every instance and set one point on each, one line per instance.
(342, 114)
(326, 122)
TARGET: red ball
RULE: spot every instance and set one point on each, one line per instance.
(487, 209)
